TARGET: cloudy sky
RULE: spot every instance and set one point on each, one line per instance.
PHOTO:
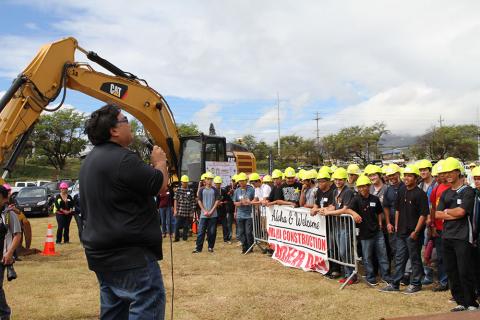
(405, 63)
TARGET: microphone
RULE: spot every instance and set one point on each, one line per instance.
(148, 143)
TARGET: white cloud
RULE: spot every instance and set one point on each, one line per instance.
(31, 26)
(207, 115)
(383, 58)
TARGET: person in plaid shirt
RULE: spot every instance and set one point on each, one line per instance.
(183, 208)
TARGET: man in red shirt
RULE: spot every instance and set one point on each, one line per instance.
(436, 226)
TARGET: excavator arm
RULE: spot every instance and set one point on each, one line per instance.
(53, 70)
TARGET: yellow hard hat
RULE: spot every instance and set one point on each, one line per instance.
(217, 179)
(202, 177)
(208, 175)
(323, 175)
(277, 174)
(354, 169)
(309, 175)
(372, 169)
(184, 178)
(363, 181)
(412, 169)
(435, 170)
(234, 178)
(340, 173)
(392, 169)
(254, 176)
(289, 172)
(472, 164)
(241, 177)
(333, 168)
(384, 169)
(301, 172)
(326, 169)
(451, 164)
(424, 163)
(476, 172)
(267, 178)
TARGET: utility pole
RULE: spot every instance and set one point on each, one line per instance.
(440, 121)
(278, 124)
(317, 118)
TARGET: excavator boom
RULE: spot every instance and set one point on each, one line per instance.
(53, 70)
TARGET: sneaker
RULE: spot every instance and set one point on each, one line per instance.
(196, 251)
(458, 308)
(389, 288)
(406, 280)
(210, 250)
(330, 275)
(440, 288)
(472, 308)
(373, 284)
(452, 300)
(412, 289)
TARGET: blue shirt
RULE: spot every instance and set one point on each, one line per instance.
(244, 212)
(208, 197)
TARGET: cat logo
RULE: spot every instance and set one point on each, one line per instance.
(117, 90)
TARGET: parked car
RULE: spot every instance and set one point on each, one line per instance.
(22, 184)
(34, 200)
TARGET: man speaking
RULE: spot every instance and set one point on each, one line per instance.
(122, 236)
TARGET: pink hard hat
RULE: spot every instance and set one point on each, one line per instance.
(7, 186)
(63, 185)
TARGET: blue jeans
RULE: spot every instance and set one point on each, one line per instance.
(132, 294)
(407, 247)
(377, 244)
(245, 229)
(344, 248)
(168, 221)
(209, 226)
(442, 275)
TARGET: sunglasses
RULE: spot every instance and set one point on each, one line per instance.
(124, 120)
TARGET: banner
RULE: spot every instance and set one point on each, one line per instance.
(223, 169)
(299, 240)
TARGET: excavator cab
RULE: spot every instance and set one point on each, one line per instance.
(196, 150)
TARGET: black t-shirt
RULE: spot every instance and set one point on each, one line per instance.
(464, 198)
(369, 209)
(276, 194)
(121, 223)
(324, 199)
(291, 192)
(342, 199)
(411, 204)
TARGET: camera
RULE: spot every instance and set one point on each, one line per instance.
(11, 273)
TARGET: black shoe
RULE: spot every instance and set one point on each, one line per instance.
(440, 288)
(405, 281)
(210, 250)
(458, 308)
(176, 240)
(389, 288)
(412, 289)
(196, 251)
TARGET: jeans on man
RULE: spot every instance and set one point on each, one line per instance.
(459, 265)
(245, 229)
(345, 246)
(4, 308)
(79, 222)
(132, 294)
(209, 226)
(442, 275)
(168, 222)
(63, 221)
(376, 245)
(408, 248)
(184, 224)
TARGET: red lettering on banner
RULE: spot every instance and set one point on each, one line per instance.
(297, 261)
(271, 232)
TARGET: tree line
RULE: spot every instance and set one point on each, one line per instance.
(59, 136)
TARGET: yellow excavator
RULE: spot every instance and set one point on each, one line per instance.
(54, 69)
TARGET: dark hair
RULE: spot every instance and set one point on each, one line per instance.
(101, 121)
(3, 192)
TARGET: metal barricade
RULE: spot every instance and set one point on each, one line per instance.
(260, 234)
(342, 243)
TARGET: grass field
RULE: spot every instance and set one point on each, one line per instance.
(222, 285)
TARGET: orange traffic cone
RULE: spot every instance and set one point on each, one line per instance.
(49, 247)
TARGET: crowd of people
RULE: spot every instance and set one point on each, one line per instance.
(413, 222)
